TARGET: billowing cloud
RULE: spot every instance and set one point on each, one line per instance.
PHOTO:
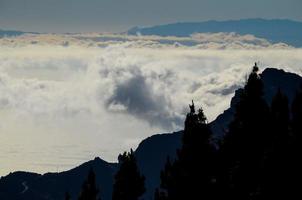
(137, 98)
(101, 101)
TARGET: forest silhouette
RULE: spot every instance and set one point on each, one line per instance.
(257, 158)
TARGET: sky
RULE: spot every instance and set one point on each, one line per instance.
(119, 15)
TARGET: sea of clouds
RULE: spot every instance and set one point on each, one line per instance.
(63, 103)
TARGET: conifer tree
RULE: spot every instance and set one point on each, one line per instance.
(67, 196)
(246, 142)
(276, 169)
(280, 118)
(297, 118)
(129, 183)
(89, 189)
(295, 175)
(191, 175)
(159, 195)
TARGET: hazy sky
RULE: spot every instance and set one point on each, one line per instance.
(119, 15)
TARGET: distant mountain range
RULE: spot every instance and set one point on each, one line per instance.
(151, 155)
(275, 30)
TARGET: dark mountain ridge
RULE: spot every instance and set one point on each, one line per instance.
(275, 30)
(24, 185)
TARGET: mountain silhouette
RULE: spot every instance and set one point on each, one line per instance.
(151, 155)
(31, 186)
(275, 30)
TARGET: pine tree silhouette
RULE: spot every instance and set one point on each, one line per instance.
(159, 195)
(297, 118)
(275, 176)
(67, 196)
(129, 183)
(280, 118)
(191, 175)
(296, 144)
(245, 144)
(89, 190)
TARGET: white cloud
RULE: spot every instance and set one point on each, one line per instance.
(198, 40)
(100, 101)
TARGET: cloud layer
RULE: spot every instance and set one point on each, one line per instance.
(196, 41)
(89, 101)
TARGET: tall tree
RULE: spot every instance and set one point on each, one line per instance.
(280, 119)
(244, 146)
(89, 189)
(275, 176)
(296, 143)
(67, 196)
(297, 118)
(191, 175)
(129, 183)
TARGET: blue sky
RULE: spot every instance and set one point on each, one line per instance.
(119, 15)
